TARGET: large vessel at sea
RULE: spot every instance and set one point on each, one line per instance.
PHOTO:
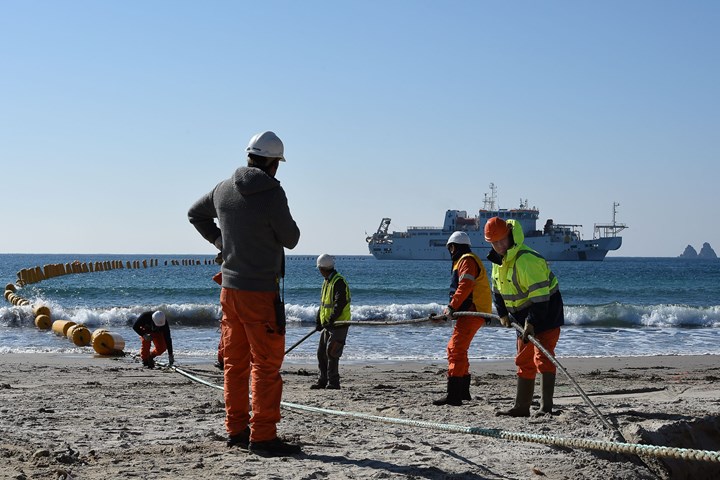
(554, 242)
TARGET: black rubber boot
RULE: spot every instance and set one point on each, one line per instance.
(274, 448)
(454, 392)
(320, 384)
(547, 382)
(466, 388)
(241, 440)
(523, 399)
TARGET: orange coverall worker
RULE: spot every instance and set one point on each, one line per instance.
(469, 292)
(254, 225)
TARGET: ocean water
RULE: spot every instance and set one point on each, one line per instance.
(622, 306)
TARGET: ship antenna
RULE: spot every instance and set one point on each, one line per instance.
(493, 196)
(615, 205)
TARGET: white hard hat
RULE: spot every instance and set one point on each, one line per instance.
(266, 144)
(326, 261)
(158, 318)
(461, 238)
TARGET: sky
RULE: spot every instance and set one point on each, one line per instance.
(115, 116)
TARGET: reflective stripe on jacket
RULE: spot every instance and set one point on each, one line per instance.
(327, 301)
(479, 299)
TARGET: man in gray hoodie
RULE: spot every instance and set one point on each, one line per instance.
(247, 218)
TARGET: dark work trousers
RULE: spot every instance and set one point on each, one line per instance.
(330, 348)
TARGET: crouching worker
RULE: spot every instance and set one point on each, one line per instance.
(154, 331)
(333, 313)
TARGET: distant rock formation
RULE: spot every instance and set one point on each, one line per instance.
(705, 252)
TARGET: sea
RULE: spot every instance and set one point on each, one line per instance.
(622, 306)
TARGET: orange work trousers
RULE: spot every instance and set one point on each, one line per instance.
(457, 348)
(530, 360)
(157, 339)
(252, 351)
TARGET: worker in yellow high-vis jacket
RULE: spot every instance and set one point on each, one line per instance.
(525, 288)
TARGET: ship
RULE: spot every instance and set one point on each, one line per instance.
(555, 242)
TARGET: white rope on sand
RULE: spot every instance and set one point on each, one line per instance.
(584, 443)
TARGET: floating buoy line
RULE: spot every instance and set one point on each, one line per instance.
(103, 341)
(107, 343)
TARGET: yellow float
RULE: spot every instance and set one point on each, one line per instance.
(107, 343)
(41, 310)
(79, 335)
(61, 326)
(42, 322)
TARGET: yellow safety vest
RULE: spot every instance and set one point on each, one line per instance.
(481, 297)
(327, 297)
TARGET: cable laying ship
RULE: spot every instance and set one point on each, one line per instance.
(554, 242)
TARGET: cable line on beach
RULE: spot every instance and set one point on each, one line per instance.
(553, 440)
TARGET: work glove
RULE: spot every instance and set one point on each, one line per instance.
(449, 312)
(219, 259)
(435, 319)
(171, 360)
(505, 321)
(147, 337)
(527, 331)
(318, 326)
(218, 243)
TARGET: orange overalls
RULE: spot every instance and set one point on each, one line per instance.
(472, 294)
(253, 351)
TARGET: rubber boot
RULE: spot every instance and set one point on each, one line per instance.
(466, 388)
(523, 399)
(454, 392)
(547, 382)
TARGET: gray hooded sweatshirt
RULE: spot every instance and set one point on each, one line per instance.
(255, 224)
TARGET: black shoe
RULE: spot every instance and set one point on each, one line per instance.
(317, 386)
(274, 448)
(219, 365)
(333, 386)
(241, 440)
(149, 363)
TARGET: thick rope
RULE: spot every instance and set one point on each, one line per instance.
(584, 443)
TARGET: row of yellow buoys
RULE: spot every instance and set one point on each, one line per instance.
(36, 274)
(102, 341)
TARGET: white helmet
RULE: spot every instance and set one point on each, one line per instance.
(158, 318)
(461, 238)
(266, 144)
(326, 261)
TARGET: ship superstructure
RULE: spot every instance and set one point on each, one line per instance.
(555, 241)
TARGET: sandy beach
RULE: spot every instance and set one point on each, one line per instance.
(90, 417)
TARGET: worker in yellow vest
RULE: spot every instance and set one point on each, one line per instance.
(332, 320)
(526, 288)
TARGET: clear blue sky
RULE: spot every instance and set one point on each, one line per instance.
(115, 116)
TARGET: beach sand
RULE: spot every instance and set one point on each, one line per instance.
(90, 417)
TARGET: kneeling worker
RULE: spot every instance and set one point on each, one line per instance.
(154, 330)
(333, 313)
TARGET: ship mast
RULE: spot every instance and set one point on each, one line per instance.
(609, 230)
(489, 202)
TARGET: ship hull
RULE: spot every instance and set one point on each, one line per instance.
(426, 246)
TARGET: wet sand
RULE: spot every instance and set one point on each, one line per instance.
(89, 417)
